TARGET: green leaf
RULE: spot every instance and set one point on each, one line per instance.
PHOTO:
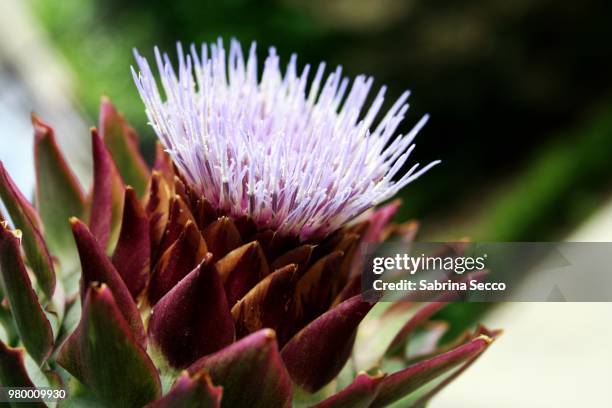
(107, 196)
(418, 319)
(359, 394)
(193, 319)
(122, 143)
(250, 371)
(191, 392)
(316, 354)
(30, 321)
(377, 331)
(58, 196)
(423, 395)
(25, 218)
(103, 354)
(406, 381)
(132, 255)
(13, 372)
(97, 267)
(8, 330)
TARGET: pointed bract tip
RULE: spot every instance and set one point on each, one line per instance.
(206, 260)
(106, 108)
(98, 288)
(373, 375)
(269, 334)
(17, 234)
(41, 129)
(486, 338)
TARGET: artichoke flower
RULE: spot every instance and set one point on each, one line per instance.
(228, 273)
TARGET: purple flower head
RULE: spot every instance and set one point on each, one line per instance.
(297, 158)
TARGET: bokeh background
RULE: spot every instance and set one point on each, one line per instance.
(520, 98)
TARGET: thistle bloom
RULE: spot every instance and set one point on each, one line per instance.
(296, 158)
(195, 285)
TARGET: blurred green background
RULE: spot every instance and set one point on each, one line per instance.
(520, 98)
(519, 91)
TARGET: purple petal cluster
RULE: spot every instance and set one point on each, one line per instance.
(300, 156)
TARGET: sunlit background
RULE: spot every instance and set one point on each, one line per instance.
(520, 97)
